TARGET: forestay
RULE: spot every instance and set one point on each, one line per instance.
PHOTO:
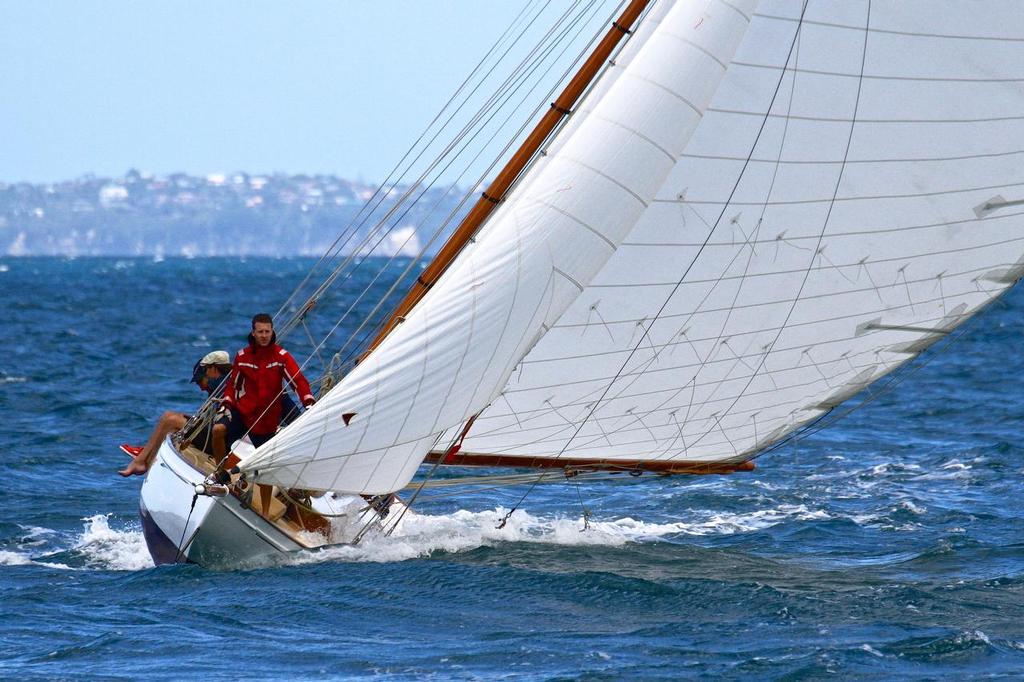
(457, 348)
(852, 194)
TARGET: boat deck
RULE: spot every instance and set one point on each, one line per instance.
(270, 503)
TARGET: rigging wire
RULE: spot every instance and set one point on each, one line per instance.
(820, 422)
(686, 272)
(379, 194)
(371, 322)
(828, 215)
(494, 100)
(542, 50)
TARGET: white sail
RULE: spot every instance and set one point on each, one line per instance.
(456, 349)
(782, 269)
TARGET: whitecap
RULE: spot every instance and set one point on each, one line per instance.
(872, 650)
(972, 636)
(36, 535)
(419, 535)
(956, 465)
(14, 559)
(728, 524)
(108, 548)
(909, 506)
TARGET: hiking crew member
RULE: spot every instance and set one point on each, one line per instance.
(209, 373)
(253, 392)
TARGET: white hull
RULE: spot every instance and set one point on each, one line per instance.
(220, 531)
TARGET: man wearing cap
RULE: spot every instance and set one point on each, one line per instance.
(254, 393)
(209, 373)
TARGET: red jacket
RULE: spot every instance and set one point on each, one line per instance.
(254, 387)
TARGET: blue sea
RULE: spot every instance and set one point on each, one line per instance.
(888, 545)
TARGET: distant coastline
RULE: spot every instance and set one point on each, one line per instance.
(234, 214)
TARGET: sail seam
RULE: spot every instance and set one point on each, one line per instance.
(568, 277)
(849, 233)
(826, 162)
(581, 164)
(879, 77)
(864, 197)
(824, 227)
(699, 48)
(844, 292)
(913, 34)
(833, 119)
(671, 157)
(735, 9)
(667, 89)
(566, 214)
(669, 409)
(963, 249)
(591, 411)
(671, 344)
(524, 414)
(854, 371)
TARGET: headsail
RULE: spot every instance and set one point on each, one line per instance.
(456, 349)
(851, 196)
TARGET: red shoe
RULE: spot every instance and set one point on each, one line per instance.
(131, 450)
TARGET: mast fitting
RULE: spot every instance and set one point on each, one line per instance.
(561, 110)
(622, 28)
(489, 198)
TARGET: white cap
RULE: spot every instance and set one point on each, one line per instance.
(217, 357)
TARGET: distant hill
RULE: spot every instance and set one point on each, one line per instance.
(215, 215)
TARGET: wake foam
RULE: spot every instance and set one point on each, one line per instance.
(116, 550)
(97, 547)
(14, 559)
(420, 535)
(100, 547)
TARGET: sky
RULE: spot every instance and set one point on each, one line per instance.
(335, 87)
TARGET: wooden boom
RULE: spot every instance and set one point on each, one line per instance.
(639, 465)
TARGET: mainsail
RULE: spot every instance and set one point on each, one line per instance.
(750, 219)
(851, 196)
(456, 349)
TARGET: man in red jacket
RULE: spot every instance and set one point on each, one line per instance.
(253, 391)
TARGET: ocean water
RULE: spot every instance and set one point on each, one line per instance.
(891, 544)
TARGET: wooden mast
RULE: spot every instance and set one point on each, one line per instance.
(495, 193)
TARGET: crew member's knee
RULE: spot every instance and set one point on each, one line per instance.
(173, 420)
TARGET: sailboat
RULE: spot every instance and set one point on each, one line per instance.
(734, 218)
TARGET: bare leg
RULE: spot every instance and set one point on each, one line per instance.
(169, 423)
(220, 448)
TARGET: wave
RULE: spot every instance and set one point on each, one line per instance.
(97, 547)
(118, 550)
(420, 535)
(102, 547)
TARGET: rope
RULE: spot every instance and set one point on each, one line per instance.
(181, 546)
